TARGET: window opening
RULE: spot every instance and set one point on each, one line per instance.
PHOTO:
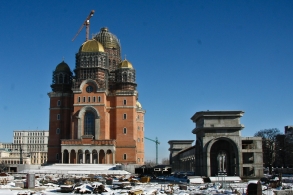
(89, 123)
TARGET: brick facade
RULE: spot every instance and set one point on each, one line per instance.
(95, 116)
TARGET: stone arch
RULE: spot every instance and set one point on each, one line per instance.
(232, 160)
(109, 156)
(87, 154)
(102, 155)
(80, 156)
(73, 156)
(65, 156)
(88, 81)
(81, 121)
(95, 157)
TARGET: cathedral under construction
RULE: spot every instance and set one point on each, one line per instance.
(95, 115)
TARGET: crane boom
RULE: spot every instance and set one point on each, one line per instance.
(86, 23)
(157, 143)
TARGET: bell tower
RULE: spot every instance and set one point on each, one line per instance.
(60, 110)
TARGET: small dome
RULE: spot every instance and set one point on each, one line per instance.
(138, 105)
(125, 64)
(107, 39)
(91, 46)
(62, 67)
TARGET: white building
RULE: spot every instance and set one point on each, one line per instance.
(28, 147)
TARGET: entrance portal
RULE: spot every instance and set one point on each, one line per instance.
(222, 158)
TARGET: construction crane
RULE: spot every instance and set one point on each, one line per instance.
(86, 23)
(157, 143)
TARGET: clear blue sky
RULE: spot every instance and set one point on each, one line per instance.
(189, 56)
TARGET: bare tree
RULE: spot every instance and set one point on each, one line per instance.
(284, 150)
(150, 163)
(165, 161)
(3, 167)
(269, 145)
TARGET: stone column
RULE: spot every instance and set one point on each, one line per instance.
(76, 158)
(91, 158)
(83, 157)
(207, 161)
(68, 157)
(98, 157)
(61, 157)
(113, 154)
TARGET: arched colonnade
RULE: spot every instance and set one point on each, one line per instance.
(88, 155)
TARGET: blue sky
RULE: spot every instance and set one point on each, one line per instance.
(189, 56)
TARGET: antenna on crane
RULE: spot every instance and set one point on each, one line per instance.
(86, 23)
(157, 143)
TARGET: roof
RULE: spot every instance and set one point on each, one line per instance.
(107, 39)
(208, 113)
(125, 64)
(91, 46)
(62, 67)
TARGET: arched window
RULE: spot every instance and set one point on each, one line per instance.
(89, 123)
(124, 77)
(129, 77)
(58, 103)
(61, 78)
(65, 78)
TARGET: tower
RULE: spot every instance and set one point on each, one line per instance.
(60, 110)
(102, 120)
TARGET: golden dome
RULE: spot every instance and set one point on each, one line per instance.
(91, 46)
(125, 64)
(62, 67)
(107, 39)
